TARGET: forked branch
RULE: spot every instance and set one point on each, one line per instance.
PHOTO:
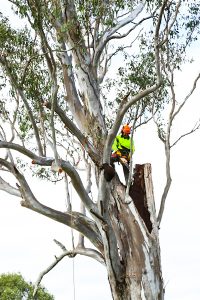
(82, 251)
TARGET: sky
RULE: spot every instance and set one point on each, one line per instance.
(26, 238)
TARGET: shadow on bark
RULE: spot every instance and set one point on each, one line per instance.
(138, 194)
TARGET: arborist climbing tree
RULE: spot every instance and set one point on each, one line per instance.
(121, 149)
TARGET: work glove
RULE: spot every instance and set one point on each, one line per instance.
(123, 160)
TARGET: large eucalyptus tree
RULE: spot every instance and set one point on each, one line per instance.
(67, 101)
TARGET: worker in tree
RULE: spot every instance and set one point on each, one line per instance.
(121, 149)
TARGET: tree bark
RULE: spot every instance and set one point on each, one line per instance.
(134, 269)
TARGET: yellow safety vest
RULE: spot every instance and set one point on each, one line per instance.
(122, 143)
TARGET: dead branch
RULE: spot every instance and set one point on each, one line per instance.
(82, 251)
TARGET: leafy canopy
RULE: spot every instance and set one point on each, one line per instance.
(14, 287)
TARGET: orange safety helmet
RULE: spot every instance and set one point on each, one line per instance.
(126, 129)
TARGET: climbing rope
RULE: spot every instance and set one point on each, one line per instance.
(73, 247)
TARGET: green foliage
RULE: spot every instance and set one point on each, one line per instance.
(104, 12)
(14, 287)
(27, 68)
(27, 52)
(137, 73)
(15, 44)
(192, 22)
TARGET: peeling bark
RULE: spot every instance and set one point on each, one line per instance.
(135, 270)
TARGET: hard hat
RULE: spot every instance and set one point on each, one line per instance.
(126, 129)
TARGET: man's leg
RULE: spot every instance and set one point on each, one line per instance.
(113, 160)
(126, 172)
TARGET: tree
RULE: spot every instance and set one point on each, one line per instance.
(14, 287)
(57, 71)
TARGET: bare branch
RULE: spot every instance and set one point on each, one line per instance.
(36, 9)
(66, 166)
(51, 63)
(19, 148)
(74, 220)
(89, 148)
(6, 187)
(53, 102)
(68, 199)
(26, 66)
(69, 84)
(60, 245)
(166, 140)
(169, 26)
(23, 97)
(167, 152)
(196, 127)
(3, 138)
(88, 190)
(121, 36)
(110, 56)
(188, 96)
(82, 251)
(159, 131)
(109, 34)
(91, 253)
(164, 195)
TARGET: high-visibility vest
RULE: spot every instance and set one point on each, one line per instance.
(122, 143)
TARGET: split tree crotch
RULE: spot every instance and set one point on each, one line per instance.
(138, 194)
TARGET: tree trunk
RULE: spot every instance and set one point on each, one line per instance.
(131, 242)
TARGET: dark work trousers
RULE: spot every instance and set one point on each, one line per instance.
(126, 172)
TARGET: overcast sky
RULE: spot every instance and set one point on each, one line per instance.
(26, 238)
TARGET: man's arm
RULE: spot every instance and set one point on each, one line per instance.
(133, 147)
(115, 144)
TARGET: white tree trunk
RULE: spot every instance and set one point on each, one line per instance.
(134, 267)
